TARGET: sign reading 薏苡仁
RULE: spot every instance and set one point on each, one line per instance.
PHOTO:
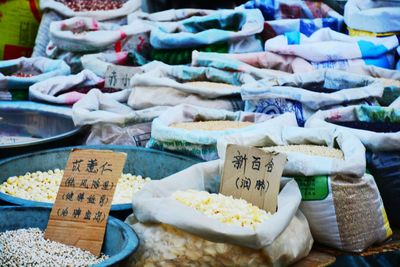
(79, 214)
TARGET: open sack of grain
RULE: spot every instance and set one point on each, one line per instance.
(378, 128)
(17, 75)
(202, 86)
(298, 15)
(177, 227)
(115, 11)
(304, 94)
(232, 31)
(194, 130)
(69, 89)
(340, 201)
(89, 35)
(113, 122)
(72, 38)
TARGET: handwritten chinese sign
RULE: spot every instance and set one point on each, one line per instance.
(79, 215)
(119, 77)
(254, 175)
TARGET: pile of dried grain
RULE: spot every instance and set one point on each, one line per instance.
(28, 247)
(312, 150)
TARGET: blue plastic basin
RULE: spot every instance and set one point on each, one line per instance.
(120, 241)
(140, 161)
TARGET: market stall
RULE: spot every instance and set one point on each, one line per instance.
(225, 133)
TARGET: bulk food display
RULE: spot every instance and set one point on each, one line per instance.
(263, 134)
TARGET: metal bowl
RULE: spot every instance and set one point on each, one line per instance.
(140, 161)
(28, 126)
(120, 241)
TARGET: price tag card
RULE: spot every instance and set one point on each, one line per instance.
(253, 175)
(80, 212)
(119, 77)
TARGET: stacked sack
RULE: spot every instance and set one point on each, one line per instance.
(372, 18)
(306, 93)
(115, 11)
(113, 123)
(70, 89)
(340, 201)
(74, 37)
(194, 130)
(174, 233)
(300, 16)
(378, 129)
(17, 75)
(325, 49)
(222, 31)
(165, 85)
(100, 62)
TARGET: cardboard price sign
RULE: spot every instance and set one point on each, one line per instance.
(79, 215)
(119, 77)
(254, 175)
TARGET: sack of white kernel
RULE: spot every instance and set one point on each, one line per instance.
(194, 130)
(179, 224)
(43, 186)
(329, 167)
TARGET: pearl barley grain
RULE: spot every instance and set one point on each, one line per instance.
(28, 247)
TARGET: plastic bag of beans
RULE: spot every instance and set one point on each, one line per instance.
(174, 234)
(342, 204)
(305, 93)
(202, 86)
(194, 130)
(378, 128)
(17, 75)
(69, 89)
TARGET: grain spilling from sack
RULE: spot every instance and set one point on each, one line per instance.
(312, 150)
(212, 85)
(211, 125)
(28, 247)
